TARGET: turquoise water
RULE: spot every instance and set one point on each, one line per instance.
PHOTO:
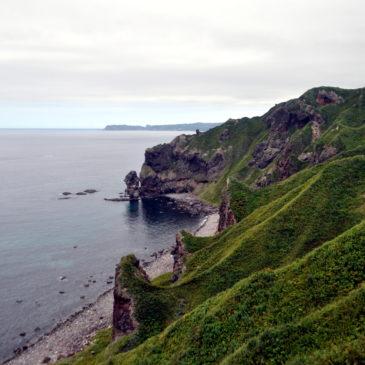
(38, 232)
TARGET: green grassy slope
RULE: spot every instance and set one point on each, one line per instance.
(290, 302)
(231, 274)
(285, 285)
(313, 305)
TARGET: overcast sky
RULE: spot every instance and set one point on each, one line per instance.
(86, 63)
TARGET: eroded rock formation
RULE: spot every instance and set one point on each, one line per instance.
(133, 185)
(177, 168)
(282, 120)
(191, 162)
(226, 215)
(178, 254)
(124, 321)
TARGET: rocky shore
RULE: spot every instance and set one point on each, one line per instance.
(77, 331)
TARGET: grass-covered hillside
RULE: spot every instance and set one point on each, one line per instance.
(286, 283)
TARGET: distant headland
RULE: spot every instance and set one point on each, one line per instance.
(163, 127)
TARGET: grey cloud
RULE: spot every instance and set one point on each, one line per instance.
(208, 52)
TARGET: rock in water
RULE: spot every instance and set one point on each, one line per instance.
(90, 191)
(133, 185)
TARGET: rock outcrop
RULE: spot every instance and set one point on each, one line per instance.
(124, 321)
(178, 168)
(325, 97)
(178, 254)
(282, 120)
(288, 132)
(279, 148)
(133, 185)
(226, 215)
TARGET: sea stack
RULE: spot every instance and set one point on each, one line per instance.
(133, 185)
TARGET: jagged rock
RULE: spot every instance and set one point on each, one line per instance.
(226, 215)
(178, 254)
(282, 120)
(325, 97)
(176, 168)
(124, 321)
(133, 185)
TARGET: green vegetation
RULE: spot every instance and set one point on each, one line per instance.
(285, 285)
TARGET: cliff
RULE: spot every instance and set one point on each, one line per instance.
(283, 281)
(289, 137)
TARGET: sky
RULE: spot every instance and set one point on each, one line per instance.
(88, 63)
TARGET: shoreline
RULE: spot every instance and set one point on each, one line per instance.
(69, 336)
(77, 331)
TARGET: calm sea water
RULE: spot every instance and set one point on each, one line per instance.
(38, 232)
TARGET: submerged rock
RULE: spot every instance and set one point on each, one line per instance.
(81, 193)
(90, 191)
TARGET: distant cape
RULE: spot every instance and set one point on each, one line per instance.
(163, 127)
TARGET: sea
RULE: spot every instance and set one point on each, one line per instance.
(58, 255)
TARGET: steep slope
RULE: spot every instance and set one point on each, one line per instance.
(314, 304)
(285, 284)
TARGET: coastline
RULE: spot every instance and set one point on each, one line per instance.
(78, 330)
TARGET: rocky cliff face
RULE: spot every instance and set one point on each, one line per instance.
(189, 163)
(177, 168)
(124, 321)
(281, 148)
